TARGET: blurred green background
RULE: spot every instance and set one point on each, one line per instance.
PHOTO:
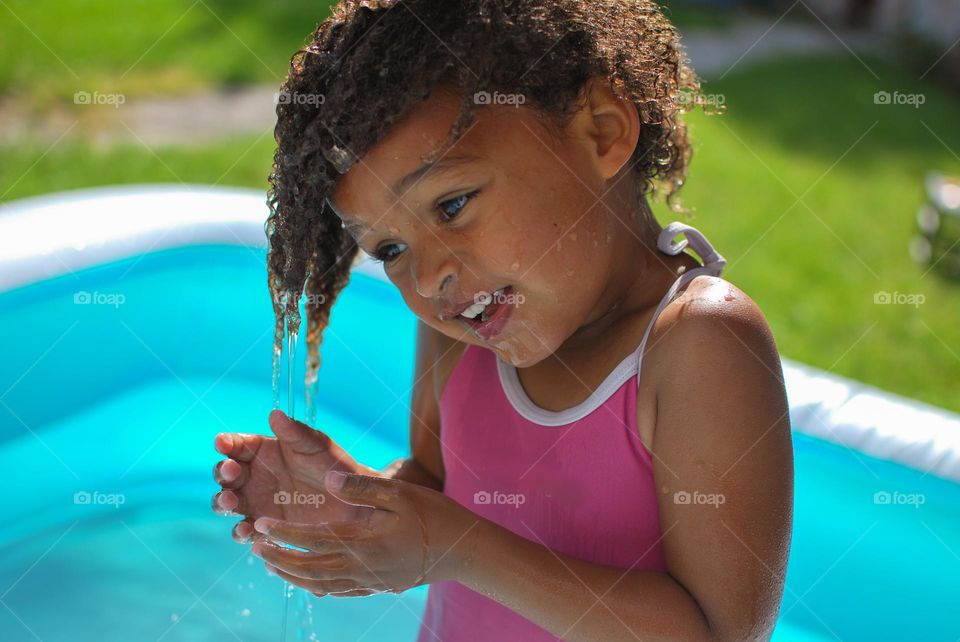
(806, 184)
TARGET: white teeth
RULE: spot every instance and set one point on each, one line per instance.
(473, 310)
(482, 301)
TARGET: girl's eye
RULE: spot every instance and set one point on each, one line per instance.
(451, 208)
(389, 252)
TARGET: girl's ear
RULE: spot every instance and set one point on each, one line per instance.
(609, 125)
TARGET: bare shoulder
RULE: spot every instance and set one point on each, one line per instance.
(723, 455)
(444, 353)
(713, 297)
(711, 319)
(436, 356)
(711, 345)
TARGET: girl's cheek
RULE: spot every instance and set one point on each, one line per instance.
(402, 281)
(417, 304)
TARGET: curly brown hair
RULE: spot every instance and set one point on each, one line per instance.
(372, 61)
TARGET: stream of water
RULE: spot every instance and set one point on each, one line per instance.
(302, 608)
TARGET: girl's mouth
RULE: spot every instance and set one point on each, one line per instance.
(490, 314)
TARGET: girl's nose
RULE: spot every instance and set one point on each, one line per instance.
(433, 278)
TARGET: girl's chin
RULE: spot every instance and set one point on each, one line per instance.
(517, 355)
(518, 351)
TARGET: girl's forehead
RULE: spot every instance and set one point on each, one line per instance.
(400, 152)
(396, 166)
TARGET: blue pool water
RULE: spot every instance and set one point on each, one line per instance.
(120, 398)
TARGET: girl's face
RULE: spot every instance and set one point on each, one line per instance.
(510, 214)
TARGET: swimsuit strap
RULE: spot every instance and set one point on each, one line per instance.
(696, 240)
(713, 264)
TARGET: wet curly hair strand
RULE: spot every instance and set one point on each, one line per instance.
(372, 61)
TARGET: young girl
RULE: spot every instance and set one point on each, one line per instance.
(600, 438)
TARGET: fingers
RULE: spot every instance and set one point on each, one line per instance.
(320, 538)
(238, 446)
(300, 437)
(305, 564)
(365, 490)
(354, 593)
(337, 587)
(227, 502)
(230, 473)
(244, 533)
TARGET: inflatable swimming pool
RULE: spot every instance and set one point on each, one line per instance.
(136, 325)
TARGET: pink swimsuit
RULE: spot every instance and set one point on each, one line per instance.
(578, 481)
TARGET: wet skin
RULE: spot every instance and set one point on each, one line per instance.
(553, 215)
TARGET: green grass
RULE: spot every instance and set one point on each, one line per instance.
(693, 15)
(53, 49)
(29, 169)
(789, 130)
(49, 50)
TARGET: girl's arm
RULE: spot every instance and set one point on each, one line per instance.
(723, 466)
(723, 443)
(436, 355)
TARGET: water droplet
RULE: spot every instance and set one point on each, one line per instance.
(515, 266)
(245, 613)
(174, 617)
(341, 158)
